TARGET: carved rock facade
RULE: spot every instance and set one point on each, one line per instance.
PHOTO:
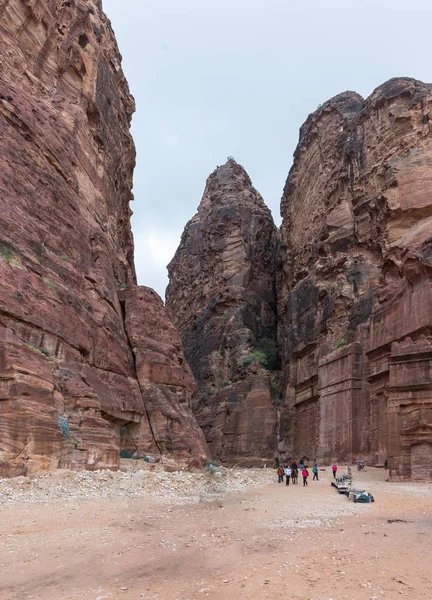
(354, 288)
(71, 348)
(222, 299)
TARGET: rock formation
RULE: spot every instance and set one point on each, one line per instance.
(221, 297)
(166, 380)
(354, 289)
(90, 364)
(81, 375)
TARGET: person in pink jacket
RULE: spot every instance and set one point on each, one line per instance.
(305, 474)
(334, 469)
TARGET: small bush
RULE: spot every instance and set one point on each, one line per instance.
(6, 253)
(206, 395)
(61, 373)
(51, 285)
(268, 346)
(340, 344)
(64, 427)
(8, 256)
(212, 462)
(344, 341)
(255, 356)
(37, 349)
(122, 285)
(275, 385)
(127, 454)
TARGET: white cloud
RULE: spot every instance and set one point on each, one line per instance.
(154, 248)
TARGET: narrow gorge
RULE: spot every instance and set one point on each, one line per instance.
(314, 339)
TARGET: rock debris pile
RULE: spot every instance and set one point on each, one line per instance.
(180, 487)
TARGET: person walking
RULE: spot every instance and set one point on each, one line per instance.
(280, 474)
(294, 475)
(301, 465)
(305, 474)
(315, 472)
(288, 472)
(334, 469)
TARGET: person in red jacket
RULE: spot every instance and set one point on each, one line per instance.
(280, 474)
(305, 474)
(334, 469)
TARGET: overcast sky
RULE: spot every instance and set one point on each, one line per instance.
(214, 78)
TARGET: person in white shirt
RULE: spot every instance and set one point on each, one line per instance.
(287, 472)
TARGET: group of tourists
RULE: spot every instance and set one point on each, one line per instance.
(292, 473)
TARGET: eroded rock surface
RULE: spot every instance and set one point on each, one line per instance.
(66, 251)
(165, 378)
(221, 297)
(354, 290)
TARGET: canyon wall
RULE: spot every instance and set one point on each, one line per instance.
(354, 286)
(316, 344)
(89, 363)
(221, 297)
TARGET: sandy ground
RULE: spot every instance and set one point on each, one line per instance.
(267, 542)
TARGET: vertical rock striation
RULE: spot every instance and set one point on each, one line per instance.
(221, 297)
(165, 378)
(67, 361)
(354, 288)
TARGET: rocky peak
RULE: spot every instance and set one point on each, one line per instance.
(400, 86)
(229, 186)
(230, 177)
(221, 296)
(346, 104)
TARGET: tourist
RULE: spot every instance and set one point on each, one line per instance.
(334, 469)
(288, 472)
(294, 472)
(301, 465)
(305, 474)
(386, 464)
(315, 472)
(280, 474)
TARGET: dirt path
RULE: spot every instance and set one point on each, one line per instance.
(270, 542)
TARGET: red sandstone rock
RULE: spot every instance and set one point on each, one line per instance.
(355, 280)
(166, 381)
(221, 297)
(66, 247)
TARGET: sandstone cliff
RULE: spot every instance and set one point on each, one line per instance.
(354, 289)
(221, 296)
(66, 254)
